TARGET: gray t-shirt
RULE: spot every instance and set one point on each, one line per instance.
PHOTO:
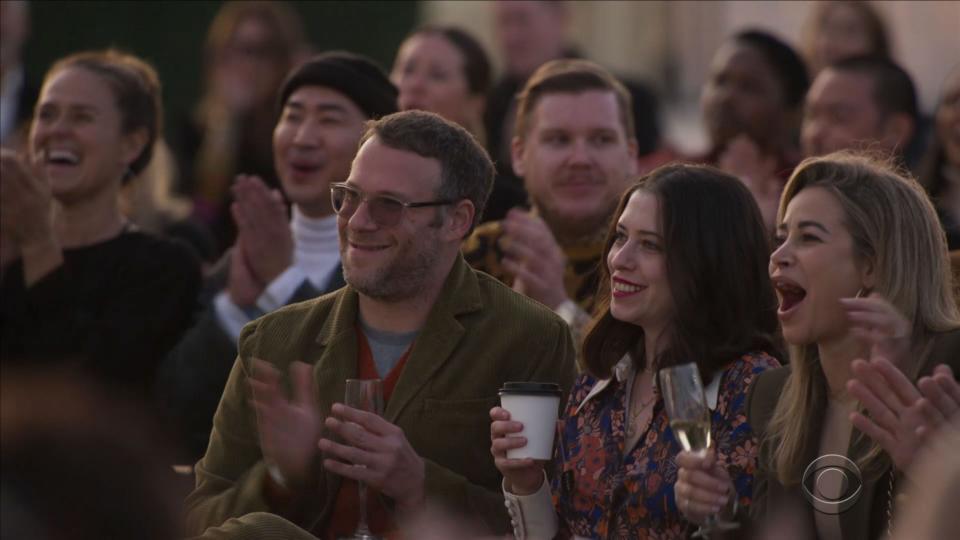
(386, 347)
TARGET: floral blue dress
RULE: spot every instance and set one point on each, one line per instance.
(599, 492)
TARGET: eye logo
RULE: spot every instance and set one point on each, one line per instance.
(832, 484)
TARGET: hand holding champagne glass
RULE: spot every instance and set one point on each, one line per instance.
(365, 395)
(690, 421)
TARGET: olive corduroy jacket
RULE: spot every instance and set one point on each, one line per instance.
(478, 335)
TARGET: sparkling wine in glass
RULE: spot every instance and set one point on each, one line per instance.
(694, 435)
(366, 395)
(689, 416)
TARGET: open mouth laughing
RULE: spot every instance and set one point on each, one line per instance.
(304, 167)
(790, 295)
(60, 157)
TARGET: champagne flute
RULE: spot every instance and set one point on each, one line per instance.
(689, 416)
(366, 395)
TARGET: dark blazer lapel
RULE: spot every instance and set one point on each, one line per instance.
(855, 522)
(439, 337)
(811, 452)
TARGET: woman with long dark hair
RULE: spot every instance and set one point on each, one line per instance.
(684, 281)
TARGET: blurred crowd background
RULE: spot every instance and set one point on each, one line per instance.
(667, 45)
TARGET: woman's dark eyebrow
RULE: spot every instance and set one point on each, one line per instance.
(621, 228)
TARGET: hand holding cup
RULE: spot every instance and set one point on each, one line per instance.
(521, 476)
(522, 432)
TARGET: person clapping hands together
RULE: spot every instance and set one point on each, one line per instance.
(897, 413)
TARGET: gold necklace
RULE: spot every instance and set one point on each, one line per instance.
(634, 413)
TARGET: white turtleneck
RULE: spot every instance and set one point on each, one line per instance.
(316, 254)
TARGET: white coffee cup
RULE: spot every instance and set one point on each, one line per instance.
(535, 405)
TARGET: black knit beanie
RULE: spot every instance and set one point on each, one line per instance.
(353, 75)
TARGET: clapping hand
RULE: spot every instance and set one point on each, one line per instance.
(262, 224)
(943, 391)
(25, 200)
(26, 218)
(534, 258)
(242, 286)
(289, 428)
(878, 323)
(901, 415)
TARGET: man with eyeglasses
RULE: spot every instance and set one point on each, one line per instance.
(277, 261)
(443, 337)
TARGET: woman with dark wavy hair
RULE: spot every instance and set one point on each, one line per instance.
(684, 281)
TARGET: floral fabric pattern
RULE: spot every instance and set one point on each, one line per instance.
(599, 492)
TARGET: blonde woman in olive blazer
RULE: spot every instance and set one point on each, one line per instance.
(864, 285)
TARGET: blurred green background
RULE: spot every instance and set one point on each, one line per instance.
(170, 34)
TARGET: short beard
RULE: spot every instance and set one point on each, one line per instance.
(400, 281)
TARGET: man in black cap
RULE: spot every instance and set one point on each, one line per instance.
(275, 261)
